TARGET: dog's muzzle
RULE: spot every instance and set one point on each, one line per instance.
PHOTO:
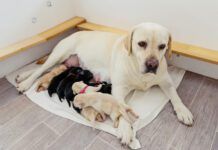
(151, 65)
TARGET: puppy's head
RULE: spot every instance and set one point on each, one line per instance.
(148, 43)
(75, 70)
(77, 87)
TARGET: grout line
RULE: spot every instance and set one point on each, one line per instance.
(60, 136)
(29, 107)
(108, 143)
(21, 137)
(189, 106)
(201, 84)
(213, 140)
(91, 142)
(11, 86)
(28, 131)
(56, 132)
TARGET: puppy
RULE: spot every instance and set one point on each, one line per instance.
(106, 103)
(64, 88)
(52, 88)
(81, 87)
(92, 115)
(45, 80)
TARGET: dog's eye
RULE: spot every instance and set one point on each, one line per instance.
(142, 44)
(161, 46)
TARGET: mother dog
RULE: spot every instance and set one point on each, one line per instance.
(134, 61)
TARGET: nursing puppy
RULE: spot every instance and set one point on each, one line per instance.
(81, 87)
(64, 88)
(45, 80)
(132, 61)
(52, 88)
(92, 115)
(106, 103)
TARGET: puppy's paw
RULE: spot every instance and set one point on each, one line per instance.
(125, 132)
(23, 86)
(100, 117)
(184, 115)
(19, 78)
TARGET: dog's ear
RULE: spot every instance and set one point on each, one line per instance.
(169, 49)
(128, 41)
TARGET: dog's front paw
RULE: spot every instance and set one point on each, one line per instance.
(184, 115)
(23, 86)
(125, 132)
(19, 78)
(135, 144)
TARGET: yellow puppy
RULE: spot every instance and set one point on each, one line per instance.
(89, 112)
(77, 87)
(92, 115)
(106, 103)
(45, 80)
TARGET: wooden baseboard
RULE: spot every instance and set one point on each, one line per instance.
(187, 50)
(39, 38)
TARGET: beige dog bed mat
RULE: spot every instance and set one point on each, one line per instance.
(147, 104)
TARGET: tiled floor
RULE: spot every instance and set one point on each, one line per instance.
(24, 125)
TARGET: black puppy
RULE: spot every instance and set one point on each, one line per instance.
(57, 79)
(84, 76)
(105, 88)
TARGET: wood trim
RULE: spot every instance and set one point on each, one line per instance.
(204, 54)
(188, 50)
(39, 38)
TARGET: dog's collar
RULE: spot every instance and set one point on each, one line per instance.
(83, 89)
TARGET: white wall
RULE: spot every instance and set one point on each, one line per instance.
(190, 21)
(16, 24)
(16, 17)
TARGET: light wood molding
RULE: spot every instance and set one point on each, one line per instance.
(188, 50)
(39, 38)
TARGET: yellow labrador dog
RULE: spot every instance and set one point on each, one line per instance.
(134, 61)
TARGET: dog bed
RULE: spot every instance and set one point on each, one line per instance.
(146, 104)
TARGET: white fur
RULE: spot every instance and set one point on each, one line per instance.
(106, 54)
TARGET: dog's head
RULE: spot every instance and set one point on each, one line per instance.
(148, 43)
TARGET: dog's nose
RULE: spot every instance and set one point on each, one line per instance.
(152, 64)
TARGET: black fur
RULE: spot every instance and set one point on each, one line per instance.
(70, 79)
(84, 76)
(106, 88)
(62, 84)
(57, 79)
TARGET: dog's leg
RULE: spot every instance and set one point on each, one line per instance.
(125, 130)
(59, 53)
(182, 112)
(24, 75)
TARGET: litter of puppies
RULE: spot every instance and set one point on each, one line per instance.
(89, 98)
